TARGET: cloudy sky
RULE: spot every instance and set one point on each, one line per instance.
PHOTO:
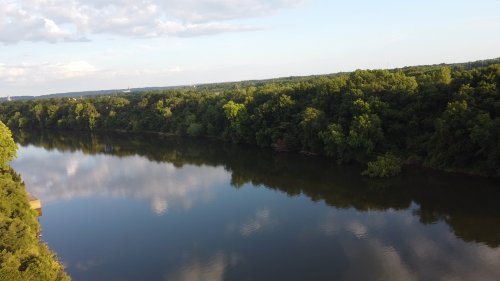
(51, 46)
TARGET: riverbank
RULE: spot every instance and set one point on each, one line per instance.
(443, 117)
(22, 255)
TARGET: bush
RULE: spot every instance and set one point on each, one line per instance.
(195, 130)
(385, 166)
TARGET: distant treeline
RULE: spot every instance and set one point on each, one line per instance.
(445, 117)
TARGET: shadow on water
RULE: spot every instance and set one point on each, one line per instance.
(469, 205)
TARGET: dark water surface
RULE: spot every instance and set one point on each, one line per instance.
(129, 207)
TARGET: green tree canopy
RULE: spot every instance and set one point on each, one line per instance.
(8, 147)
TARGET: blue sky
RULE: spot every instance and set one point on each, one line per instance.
(51, 46)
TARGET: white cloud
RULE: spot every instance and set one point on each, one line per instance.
(74, 73)
(162, 71)
(46, 71)
(74, 69)
(215, 10)
(69, 20)
(196, 29)
(16, 23)
(11, 73)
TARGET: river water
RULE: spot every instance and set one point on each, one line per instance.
(131, 207)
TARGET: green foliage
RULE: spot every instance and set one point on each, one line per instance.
(86, 115)
(365, 134)
(8, 147)
(385, 166)
(447, 116)
(237, 115)
(22, 256)
(195, 130)
(311, 124)
(334, 141)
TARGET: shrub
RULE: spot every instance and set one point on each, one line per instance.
(195, 130)
(385, 166)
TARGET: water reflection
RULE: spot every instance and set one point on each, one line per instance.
(468, 204)
(261, 219)
(422, 225)
(414, 252)
(211, 269)
(77, 175)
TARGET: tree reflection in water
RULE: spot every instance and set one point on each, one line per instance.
(469, 205)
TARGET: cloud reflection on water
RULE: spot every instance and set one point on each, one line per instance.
(210, 270)
(379, 242)
(396, 246)
(55, 177)
(262, 219)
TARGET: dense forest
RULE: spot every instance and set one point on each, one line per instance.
(22, 256)
(446, 117)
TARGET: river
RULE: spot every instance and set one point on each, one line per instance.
(146, 207)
